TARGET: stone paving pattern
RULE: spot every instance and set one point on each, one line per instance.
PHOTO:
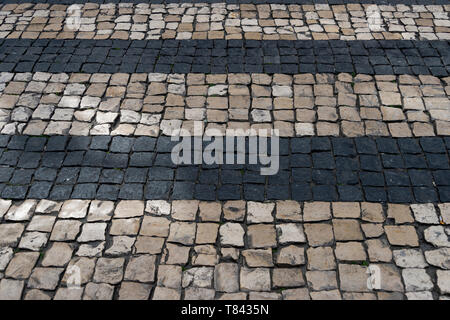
(406, 170)
(222, 250)
(379, 57)
(89, 194)
(225, 21)
(160, 104)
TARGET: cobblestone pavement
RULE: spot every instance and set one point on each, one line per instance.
(92, 206)
(346, 169)
(227, 56)
(159, 104)
(225, 250)
(225, 21)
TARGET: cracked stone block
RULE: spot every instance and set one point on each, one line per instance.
(201, 277)
(21, 265)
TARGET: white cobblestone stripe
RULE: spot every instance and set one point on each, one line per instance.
(81, 249)
(225, 21)
(157, 104)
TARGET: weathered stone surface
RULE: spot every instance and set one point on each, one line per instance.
(58, 255)
(443, 281)
(258, 257)
(437, 236)
(182, 232)
(45, 278)
(261, 236)
(10, 233)
(402, 235)
(319, 234)
(425, 213)
(321, 280)
(291, 255)
(347, 229)
(129, 209)
(287, 277)
(169, 276)
(21, 265)
(288, 210)
(155, 226)
(92, 232)
(141, 268)
(11, 289)
(290, 233)
(439, 258)
(226, 277)
(316, 211)
(109, 270)
(320, 258)
(416, 279)
(409, 258)
(258, 212)
(201, 277)
(98, 291)
(162, 293)
(350, 251)
(21, 212)
(378, 250)
(232, 234)
(134, 291)
(74, 209)
(255, 279)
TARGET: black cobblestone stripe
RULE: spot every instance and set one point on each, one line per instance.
(222, 56)
(405, 170)
(330, 2)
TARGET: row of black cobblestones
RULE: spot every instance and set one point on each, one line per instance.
(222, 56)
(320, 168)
